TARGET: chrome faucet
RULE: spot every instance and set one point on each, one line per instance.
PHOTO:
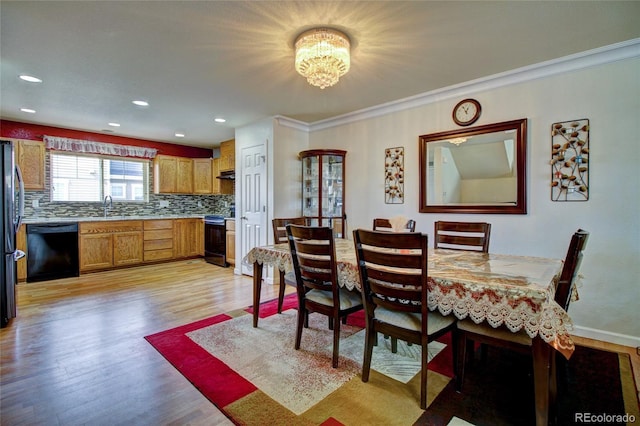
(107, 204)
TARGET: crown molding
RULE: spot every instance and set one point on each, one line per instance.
(612, 53)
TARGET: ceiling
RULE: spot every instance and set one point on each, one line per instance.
(194, 61)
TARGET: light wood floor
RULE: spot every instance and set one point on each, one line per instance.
(76, 353)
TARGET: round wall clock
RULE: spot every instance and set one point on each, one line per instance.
(466, 112)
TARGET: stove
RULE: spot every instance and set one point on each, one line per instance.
(215, 242)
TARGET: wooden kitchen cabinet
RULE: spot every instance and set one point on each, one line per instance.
(172, 175)
(231, 241)
(188, 237)
(228, 155)
(203, 176)
(184, 176)
(158, 240)
(105, 245)
(30, 156)
(127, 248)
(21, 244)
(215, 186)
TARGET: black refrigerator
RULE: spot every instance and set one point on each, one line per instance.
(12, 212)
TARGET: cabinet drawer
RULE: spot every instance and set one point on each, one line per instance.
(166, 243)
(158, 254)
(158, 224)
(158, 234)
(108, 227)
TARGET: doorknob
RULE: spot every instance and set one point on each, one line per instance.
(243, 218)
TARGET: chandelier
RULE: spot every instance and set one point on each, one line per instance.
(322, 56)
(457, 141)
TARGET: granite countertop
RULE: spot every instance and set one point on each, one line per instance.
(32, 219)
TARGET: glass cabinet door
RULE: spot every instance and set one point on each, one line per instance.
(323, 188)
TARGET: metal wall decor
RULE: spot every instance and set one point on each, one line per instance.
(570, 160)
(394, 175)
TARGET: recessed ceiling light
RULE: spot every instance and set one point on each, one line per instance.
(219, 120)
(30, 78)
(179, 135)
(29, 110)
(141, 103)
(114, 124)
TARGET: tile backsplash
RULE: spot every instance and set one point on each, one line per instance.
(177, 204)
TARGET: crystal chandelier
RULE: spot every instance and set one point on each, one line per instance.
(322, 56)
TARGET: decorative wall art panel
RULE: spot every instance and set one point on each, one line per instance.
(570, 160)
(394, 175)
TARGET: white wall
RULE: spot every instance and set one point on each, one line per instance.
(606, 94)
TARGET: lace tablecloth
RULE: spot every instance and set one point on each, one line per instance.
(516, 291)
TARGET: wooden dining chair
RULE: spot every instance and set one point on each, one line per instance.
(469, 331)
(462, 235)
(313, 254)
(380, 224)
(393, 272)
(280, 237)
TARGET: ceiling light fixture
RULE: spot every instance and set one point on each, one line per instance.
(114, 124)
(140, 103)
(219, 120)
(179, 135)
(457, 141)
(322, 56)
(29, 110)
(30, 78)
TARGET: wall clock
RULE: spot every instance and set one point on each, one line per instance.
(466, 112)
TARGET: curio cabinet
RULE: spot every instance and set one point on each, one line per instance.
(323, 188)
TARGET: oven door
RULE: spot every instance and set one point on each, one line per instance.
(215, 244)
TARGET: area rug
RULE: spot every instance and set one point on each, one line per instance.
(255, 376)
(594, 387)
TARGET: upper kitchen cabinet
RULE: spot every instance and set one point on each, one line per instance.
(172, 175)
(228, 155)
(203, 177)
(30, 158)
(323, 188)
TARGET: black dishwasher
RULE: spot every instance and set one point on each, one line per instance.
(52, 251)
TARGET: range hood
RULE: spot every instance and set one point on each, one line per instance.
(229, 174)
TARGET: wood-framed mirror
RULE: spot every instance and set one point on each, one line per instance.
(475, 170)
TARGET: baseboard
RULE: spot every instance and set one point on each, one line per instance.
(607, 336)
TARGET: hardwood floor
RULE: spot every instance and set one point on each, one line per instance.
(76, 353)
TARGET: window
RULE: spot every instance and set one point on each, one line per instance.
(91, 178)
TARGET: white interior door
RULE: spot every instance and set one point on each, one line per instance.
(253, 217)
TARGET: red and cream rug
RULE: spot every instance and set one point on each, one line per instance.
(255, 376)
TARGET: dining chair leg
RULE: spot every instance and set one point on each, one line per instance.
(423, 374)
(461, 358)
(302, 315)
(283, 285)
(370, 340)
(394, 345)
(336, 342)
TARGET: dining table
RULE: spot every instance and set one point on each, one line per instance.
(499, 289)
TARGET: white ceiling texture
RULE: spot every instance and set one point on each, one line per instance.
(197, 60)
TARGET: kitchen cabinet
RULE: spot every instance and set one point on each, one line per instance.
(172, 175)
(228, 155)
(158, 240)
(203, 176)
(323, 174)
(188, 238)
(105, 245)
(231, 241)
(216, 185)
(21, 244)
(30, 156)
